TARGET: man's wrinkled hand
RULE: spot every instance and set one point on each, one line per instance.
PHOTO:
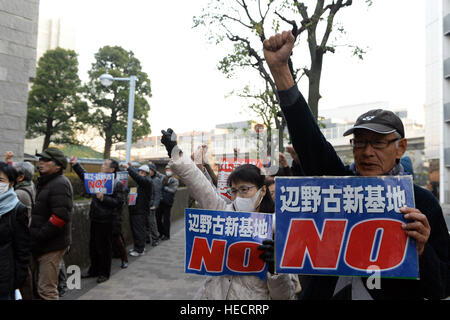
(416, 227)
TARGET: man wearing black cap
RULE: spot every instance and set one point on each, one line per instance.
(50, 222)
(378, 145)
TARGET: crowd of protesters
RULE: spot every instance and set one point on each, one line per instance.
(35, 220)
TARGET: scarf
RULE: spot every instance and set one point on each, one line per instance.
(397, 170)
(23, 184)
(8, 201)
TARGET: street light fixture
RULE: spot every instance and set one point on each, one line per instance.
(107, 80)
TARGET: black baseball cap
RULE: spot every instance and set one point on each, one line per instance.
(379, 121)
(54, 154)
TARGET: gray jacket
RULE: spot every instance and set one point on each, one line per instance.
(157, 190)
(170, 187)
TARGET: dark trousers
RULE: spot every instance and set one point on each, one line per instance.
(163, 219)
(119, 246)
(152, 235)
(100, 249)
(137, 224)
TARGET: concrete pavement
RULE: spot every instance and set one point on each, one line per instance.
(157, 275)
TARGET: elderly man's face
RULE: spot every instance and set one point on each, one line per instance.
(371, 161)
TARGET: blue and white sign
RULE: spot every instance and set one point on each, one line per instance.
(225, 242)
(344, 226)
(99, 183)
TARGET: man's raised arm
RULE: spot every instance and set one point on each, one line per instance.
(277, 50)
(317, 156)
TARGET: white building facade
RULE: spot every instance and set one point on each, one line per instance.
(437, 100)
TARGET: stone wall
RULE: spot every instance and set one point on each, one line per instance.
(18, 42)
(79, 251)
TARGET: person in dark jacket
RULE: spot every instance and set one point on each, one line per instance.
(50, 226)
(104, 208)
(139, 212)
(378, 145)
(169, 188)
(15, 249)
(26, 193)
(119, 249)
(151, 226)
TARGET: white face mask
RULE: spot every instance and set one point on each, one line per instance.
(169, 173)
(247, 204)
(4, 187)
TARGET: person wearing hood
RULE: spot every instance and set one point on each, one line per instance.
(139, 211)
(15, 249)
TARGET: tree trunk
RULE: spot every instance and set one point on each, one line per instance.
(108, 146)
(46, 141)
(314, 83)
(48, 134)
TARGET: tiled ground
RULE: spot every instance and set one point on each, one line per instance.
(157, 275)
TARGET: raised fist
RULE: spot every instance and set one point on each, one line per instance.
(73, 160)
(278, 48)
(9, 155)
(169, 140)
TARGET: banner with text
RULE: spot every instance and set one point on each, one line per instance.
(225, 242)
(99, 183)
(226, 166)
(349, 226)
(122, 176)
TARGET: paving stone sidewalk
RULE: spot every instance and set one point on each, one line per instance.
(157, 275)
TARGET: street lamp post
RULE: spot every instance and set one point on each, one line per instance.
(107, 80)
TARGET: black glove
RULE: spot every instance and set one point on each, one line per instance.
(268, 254)
(167, 141)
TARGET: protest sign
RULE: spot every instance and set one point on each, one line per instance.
(132, 196)
(99, 183)
(225, 242)
(344, 226)
(122, 176)
(226, 166)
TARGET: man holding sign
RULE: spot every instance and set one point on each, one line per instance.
(103, 211)
(378, 145)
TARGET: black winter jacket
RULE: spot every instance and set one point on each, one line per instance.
(108, 210)
(144, 193)
(318, 158)
(51, 215)
(169, 188)
(15, 249)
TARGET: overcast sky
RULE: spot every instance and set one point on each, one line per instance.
(188, 90)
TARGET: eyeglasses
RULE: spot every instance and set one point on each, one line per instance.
(45, 159)
(378, 144)
(241, 189)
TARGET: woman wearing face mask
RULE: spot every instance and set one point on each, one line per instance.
(248, 193)
(14, 235)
